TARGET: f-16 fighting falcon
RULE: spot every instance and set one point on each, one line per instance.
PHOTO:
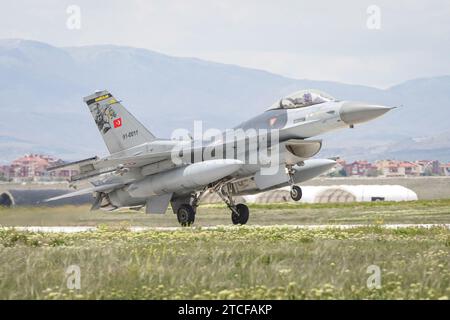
(266, 152)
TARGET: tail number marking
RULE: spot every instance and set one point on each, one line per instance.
(130, 134)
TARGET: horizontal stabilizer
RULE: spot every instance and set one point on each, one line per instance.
(79, 163)
(102, 188)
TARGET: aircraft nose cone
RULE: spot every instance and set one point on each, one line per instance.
(358, 112)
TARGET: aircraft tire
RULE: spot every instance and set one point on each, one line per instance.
(186, 215)
(243, 216)
(296, 193)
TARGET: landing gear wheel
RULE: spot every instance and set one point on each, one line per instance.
(241, 217)
(186, 215)
(296, 193)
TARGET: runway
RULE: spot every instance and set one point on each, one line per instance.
(75, 229)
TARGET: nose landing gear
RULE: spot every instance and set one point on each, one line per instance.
(296, 191)
(240, 216)
(239, 212)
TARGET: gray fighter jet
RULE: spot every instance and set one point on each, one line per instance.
(269, 151)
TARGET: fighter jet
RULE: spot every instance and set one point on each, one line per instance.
(145, 171)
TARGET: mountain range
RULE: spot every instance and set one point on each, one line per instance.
(41, 90)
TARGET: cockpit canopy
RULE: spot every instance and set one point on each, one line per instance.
(301, 99)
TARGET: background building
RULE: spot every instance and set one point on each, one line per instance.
(361, 168)
(389, 168)
(33, 168)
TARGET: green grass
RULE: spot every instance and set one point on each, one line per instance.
(238, 262)
(437, 211)
(228, 263)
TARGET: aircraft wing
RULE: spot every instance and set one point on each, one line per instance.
(134, 161)
(73, 165)
(94, 166)
(296, 150)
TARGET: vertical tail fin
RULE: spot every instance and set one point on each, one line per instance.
(119, 128)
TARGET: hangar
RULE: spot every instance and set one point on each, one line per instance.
(338, 193)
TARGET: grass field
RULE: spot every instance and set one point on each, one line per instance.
(234, 262)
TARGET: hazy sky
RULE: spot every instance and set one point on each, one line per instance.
(321, 40)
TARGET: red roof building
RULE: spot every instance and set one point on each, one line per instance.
(33, 167)
(360, 168)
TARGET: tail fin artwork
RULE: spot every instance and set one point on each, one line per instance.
(119, 128)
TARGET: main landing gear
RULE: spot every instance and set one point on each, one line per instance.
(186, 215)
(240, 215)
(239, 212)
(186, 211)
(296, 191)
